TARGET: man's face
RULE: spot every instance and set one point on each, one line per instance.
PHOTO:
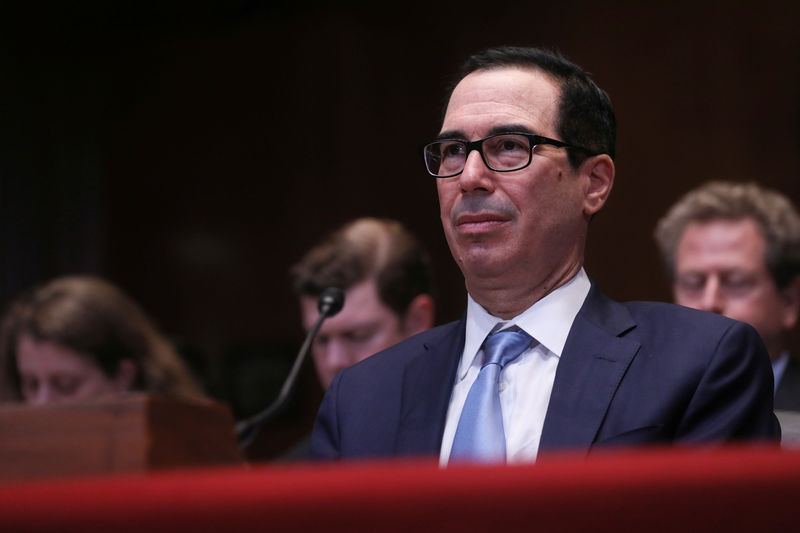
(52, 373)
(526, 224)
(721, 267)
(363, 327)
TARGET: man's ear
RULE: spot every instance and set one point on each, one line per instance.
(599, 170)
(791, 303)
(419, 315)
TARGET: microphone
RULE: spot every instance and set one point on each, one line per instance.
(329, 303)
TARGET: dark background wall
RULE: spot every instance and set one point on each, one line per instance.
(191, 152)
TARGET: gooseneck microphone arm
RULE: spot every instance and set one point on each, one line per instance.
(330, 302)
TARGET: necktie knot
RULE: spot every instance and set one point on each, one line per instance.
(502, 347)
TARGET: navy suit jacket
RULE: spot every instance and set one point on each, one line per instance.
(630, 374)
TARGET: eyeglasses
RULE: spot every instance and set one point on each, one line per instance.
(504, 152)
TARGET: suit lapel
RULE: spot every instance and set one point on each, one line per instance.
(589, 372)
(427, 384)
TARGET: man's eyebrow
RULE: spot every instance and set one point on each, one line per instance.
(496, 130)
(510, 128)
(451, 134)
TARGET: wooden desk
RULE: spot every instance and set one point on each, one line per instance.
(132, 433)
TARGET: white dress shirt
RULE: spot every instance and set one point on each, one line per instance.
(526, 382)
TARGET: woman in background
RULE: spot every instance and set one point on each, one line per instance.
(80, 337)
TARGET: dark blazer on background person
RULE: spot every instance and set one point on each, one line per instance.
(787, 395)
(630, 374)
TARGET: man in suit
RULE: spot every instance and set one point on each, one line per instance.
(388, 284)
(734, 249)
(523, 160)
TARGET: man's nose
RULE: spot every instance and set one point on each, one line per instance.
(712, 298)
(336, 354)
(44, 395)
(476, 176)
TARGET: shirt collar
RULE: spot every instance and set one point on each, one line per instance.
(547, 320)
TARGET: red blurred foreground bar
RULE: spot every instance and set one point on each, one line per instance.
(723, 489)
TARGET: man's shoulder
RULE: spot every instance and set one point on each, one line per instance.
(381, 375)
(401, 353)
(663, 323)
(677, 314)
(641, 313)
(431, 337)
(686, 333)
(685, 320)
(695, 375)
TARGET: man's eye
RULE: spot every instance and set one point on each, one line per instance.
(321, 340)
(359, 336)
(507, 145)
(30, 384)
(66, 385)
(452, 149)
(510, 146)
(691, 282)
(738, 282)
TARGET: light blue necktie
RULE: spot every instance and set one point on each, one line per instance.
(480, 435)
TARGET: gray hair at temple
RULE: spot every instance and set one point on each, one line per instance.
(367, 248)
(774, 213)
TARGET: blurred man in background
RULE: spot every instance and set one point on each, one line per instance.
(386, 278)
(387, 281)
(734, 249)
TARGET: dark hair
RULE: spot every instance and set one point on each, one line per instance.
(585, 116)
(96, 319)
(774, 213)
(362, 249)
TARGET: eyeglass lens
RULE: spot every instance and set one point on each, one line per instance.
(500, 152)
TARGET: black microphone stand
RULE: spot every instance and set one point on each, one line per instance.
(330, 302)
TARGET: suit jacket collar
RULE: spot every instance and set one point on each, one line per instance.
(595, 358)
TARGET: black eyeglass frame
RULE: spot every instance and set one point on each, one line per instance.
(477, 145)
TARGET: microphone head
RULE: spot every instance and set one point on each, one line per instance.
(330, 301)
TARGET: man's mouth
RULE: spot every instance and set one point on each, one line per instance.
(479, 222)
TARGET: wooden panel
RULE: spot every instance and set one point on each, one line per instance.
(133, 433)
